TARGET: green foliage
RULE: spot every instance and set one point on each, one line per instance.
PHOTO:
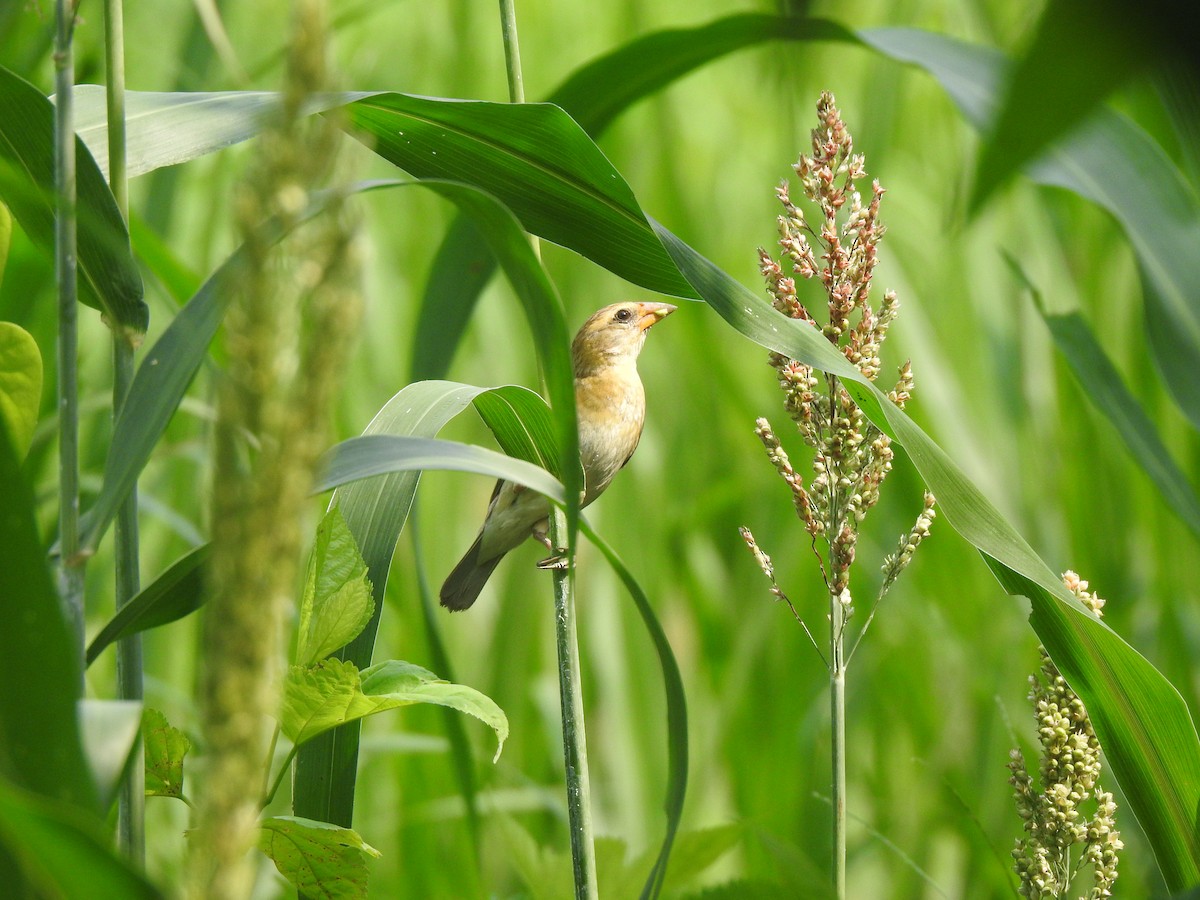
(336, 603)
(319, 859)
(20, 383)
(165, 748)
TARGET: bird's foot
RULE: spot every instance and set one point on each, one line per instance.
(556, 563)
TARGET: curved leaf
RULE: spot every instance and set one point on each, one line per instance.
(20, 383)
(107, 272)
(330, 693)
(336, 603)
(1143, 724)
(320, 860)
(177, 592)
(537, 161)
(1113, 163)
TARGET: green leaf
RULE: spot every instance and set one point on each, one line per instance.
(537, 161)
(61, 852)
(165, 129)
(107, 273)
(5, 238)
(39, 658)
(109, 729)
(336, 604)
(20, 383)
(319, 859)
(1113, 163)
(1106, 389)
(177, 592)
(1056, 85)
(1143, 724)
(166, 747)
(331, 693)
(522, 423)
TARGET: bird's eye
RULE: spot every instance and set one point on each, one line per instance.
(623, 315)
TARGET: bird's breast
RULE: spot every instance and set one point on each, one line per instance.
(611, 408)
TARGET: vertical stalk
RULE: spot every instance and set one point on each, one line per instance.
(579, 789)
(71, 566)
(837, 715)
(132, 798)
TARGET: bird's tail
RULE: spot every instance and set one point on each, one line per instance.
(463, 585)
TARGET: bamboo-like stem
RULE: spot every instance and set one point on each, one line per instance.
(579, 791)
(71, 566)
(131, 802)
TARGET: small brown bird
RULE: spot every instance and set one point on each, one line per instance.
(611, 407)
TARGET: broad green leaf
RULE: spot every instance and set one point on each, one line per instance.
(537, 161)
(1143, 724)
(107, 273)
(20, 383)
(331, 693)
(61, 852)
(39, 658)
(1055, 85)
(166, 748)
(109, 729)
(177, 592)
(165, 129)
(1113, 163)
(522, 423)
(1103, 384)
(336, 604)
(594, 95)
(319, 859)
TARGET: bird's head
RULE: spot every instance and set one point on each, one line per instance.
(615, 334)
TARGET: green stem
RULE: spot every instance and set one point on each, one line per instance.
(512, 51)
(579, 805)
(131, 801)
(837, 711)
(71, 573)
(283, 770)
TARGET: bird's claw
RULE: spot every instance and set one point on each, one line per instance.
(556, 563)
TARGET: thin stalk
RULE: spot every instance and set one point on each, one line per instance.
(512, 51)
(71, 566)
(579, 791)
(837, 714)
(131, 802)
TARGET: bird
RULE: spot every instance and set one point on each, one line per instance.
(610, 405)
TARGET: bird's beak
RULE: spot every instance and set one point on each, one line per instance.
(651, 313)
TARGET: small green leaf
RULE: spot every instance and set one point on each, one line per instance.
(337, 602)
(20, 379)
(319, 859)
(332, 692)
(165, 748)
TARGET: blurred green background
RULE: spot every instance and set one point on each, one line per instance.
(936, 692)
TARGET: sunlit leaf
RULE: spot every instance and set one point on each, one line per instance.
(20, 383)
(166, 748)
(319, 859)
(331, 693)
(336, 603)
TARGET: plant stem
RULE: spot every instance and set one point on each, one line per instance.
(131, 801)
(71, 566)
(579, 799)
(512, 51)
(837, 711)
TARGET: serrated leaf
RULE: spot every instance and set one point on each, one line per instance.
(20, 382)
(320, 860)
(165, 747)
(331, 693)
(336, 604)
